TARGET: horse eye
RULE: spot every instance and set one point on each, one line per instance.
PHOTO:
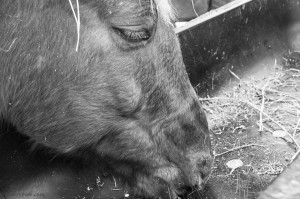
(134, 35)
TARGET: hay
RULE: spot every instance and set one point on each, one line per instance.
(274, 101)
(7, 50)
(77, 19)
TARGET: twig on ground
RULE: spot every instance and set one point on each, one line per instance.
(295, 155)
(296, 127)
(234, 75)
(256, 108)
(237, 148)
(115, 181)
(266, 128)
(212, 81)
(262, 105)
(253, 106)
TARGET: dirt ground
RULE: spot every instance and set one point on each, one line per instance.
(254, 121)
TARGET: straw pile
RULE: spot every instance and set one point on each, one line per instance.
(275, 101)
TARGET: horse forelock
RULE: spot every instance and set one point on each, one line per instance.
(166, 10)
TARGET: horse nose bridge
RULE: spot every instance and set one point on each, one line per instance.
(197, 157)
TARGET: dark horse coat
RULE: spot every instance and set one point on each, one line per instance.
(122, 99)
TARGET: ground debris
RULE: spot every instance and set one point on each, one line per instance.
(256, 121)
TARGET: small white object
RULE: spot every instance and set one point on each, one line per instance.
(234, 164)
(279, 134)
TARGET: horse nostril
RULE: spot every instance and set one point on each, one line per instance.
(182, 192)
(204, 170)
(204, 163)
(207, 161)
